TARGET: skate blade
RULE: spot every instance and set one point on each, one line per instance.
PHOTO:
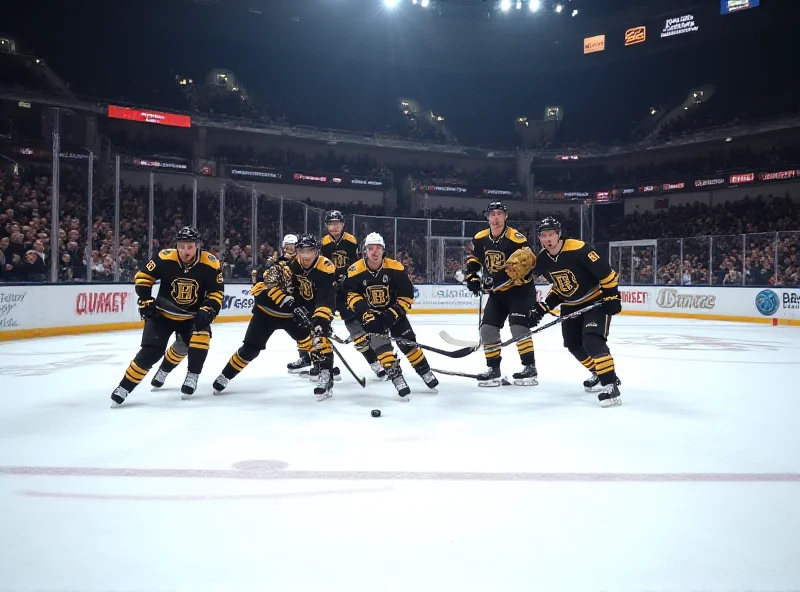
(154, 388)
(613, 402)
(298, 371)
(433, 391)
(405, 398)
(526, 382)
(187, 397)
(591, 389)
(217, 393)
(337, 378)
(323, 397)
(114, 404)
(490, 383)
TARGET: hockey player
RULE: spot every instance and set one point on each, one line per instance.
(274, 309)
(314, 281)
(342, 249)
(579, 277)
(191, 281)
(509, 298)
(380, 294)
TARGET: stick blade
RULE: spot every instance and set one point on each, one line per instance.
(447, 338)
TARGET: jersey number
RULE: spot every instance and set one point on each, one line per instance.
(184, 291)
(494, 261)
(378, 295)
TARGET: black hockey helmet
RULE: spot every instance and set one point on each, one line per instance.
(187, 234)
(334, 216)
(307, 241)
(495, 205)
(548, 223)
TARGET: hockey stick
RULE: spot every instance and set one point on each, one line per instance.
(307, 324)
(462, 342)
(170, 308)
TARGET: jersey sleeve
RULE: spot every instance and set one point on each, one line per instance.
(404, 290)
(146, 277)
(355, 301)
(598, 266)
(215, 288)
(324, 293)
(474, 261)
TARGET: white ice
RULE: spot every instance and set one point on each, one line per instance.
(692, 484)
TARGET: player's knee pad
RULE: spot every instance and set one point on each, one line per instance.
(518, 330)
(354, 327)
(594, 344)
(380, 344)
(249, 352)
(362, 343)
(147, 357)
(200, 340)
(180, 347)
(490, 334)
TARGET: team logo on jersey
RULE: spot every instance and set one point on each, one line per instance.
(378, 295)
(184, 291)
(565, 282)
(305, 287)
(593, 257)
(494, 261)
(151, 265)
(339, 259)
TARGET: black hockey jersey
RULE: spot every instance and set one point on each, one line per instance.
(388, 288)
(342, 253)
(492, 253)
(315, 287)
(272, 295)
(258, 274)
(187, 287)
(578, 274)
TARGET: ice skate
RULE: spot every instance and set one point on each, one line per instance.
(300, 364)
(610, 396)
(526, 377)
(430, 381)
(189, 385)
(396, 376)
(490, 378)
(118, 396)
(591, 383)
(378, 370)
(324, 388)
(220, 383)
(159, 379)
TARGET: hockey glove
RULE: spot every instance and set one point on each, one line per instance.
(611, 303)
(372, 322)
(147, 308)
(388, 319)
(300, 315)
(536, 314)
(474, 284)
(520, 263)
(203, 318)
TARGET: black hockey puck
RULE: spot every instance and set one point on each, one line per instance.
(376, 413)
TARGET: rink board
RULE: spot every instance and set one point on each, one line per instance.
(46, 310)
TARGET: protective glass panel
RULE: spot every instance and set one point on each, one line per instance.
(727, 261)
(788, 262)
(696, 261)
(759, 257)
(208, 216)
(643, 268)
(447, 228)
(134, 201)
(455, 253)
(294, 217)
(668, 263)
(625, 265)
(473, 227)
(172, 202)
(412, 247)
(267, 227)
(364, 225)
(315, 221)
(236, 230)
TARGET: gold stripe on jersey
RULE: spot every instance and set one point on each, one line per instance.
(304, 344)
(352, 299)
(258, 288)
(392, 264)
(215, 297)
(144, 279)
(274, 313)
(200, 340)
(405, 303)
(323, 312)
(610, 281)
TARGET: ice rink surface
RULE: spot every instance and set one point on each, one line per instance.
(692, 484)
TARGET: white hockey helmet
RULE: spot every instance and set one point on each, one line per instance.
(289, 239)
(373, 238)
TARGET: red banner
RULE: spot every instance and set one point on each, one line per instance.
(744, 178)
(776, 176)
(148, 116)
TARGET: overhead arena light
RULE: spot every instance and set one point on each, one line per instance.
(519, 4)
(575, 12)
(533, 5)
(505, 5)
(425, 3)
(391, 3)
(559, 7)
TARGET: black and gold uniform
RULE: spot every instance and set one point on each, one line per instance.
(381, 299)
(508, 299)
(580, 276)
(192, 293)
(273, 309)
(343, 252)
